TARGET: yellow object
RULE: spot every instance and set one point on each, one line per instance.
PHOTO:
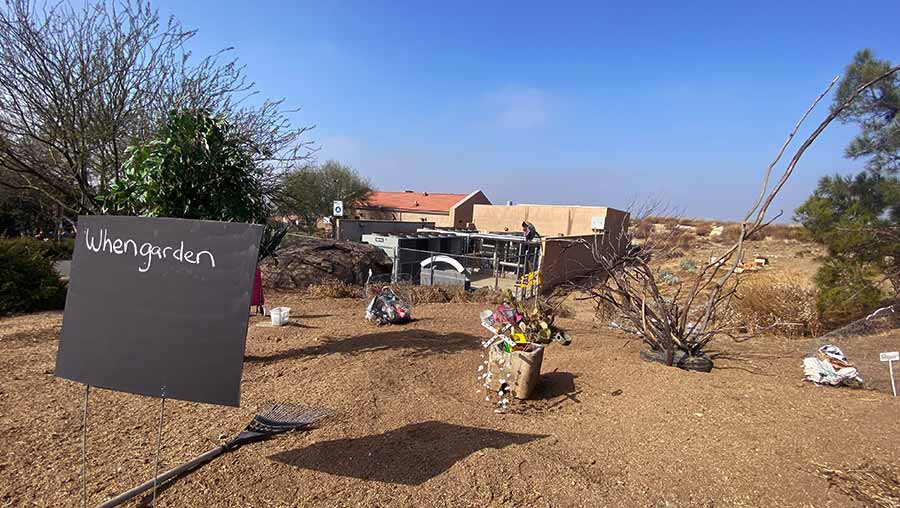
(528, 280)
(519, 337)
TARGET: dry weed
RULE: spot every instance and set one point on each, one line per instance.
(871, 484)
(416, 294)
(333, 288)
(782, 304)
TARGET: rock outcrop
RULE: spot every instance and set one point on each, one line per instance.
(304, 261)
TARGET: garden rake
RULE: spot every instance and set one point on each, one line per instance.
(273, 418)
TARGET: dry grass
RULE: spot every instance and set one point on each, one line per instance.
(416, 294)
(871, 484)
(333, 288)
(787, 232)
(780, 303)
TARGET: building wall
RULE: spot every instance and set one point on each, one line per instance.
(550, 220)
(372, 214)
(565, 259)
(351, 230)
(461, 214)
(441, 220)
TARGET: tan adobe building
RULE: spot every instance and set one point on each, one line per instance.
(549, 220)
(444, 210)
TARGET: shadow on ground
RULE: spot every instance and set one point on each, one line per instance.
(410, 455)
(555, 384)
(412, 342)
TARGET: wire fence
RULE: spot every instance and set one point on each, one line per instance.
(514, 272)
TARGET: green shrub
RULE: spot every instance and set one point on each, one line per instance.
(846, 292)
(688, 266)
(28, 281)
(56, 250)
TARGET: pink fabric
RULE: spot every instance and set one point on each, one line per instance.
(257, 298)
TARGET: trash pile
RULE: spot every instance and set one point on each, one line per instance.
(515, 349)
(829, 366)
(388, 308)
(758, 263)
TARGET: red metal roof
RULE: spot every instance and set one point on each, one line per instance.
(414, 201)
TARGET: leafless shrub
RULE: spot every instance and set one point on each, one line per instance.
(643, 228)
(79, 83)
(704, 229)
(687, 316)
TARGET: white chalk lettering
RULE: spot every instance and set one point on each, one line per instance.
(107, 243)
(89, 240)
(146, 251)
(133, 246)
(101, 242)
(212, 260)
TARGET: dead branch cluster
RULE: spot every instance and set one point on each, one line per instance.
(79, 83)
(686, 315)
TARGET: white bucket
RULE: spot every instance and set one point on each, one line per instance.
(280, 315)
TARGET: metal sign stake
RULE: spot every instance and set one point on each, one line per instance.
(84, 424)
(891, 370)
(162, 409)
(890, 358)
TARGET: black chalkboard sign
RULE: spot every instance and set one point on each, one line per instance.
(159, 307)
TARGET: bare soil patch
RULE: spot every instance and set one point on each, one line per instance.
(605, 429)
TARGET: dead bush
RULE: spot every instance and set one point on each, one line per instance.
(730, 234)
(781, 305)
(787, 232)
(671, 242)
(605, 313)
(643, 229)
(416, 294)
(333, 288)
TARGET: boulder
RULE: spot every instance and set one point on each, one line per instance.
(303, 261)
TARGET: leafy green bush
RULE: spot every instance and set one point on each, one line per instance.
(56, 250)
(846, 292)
(28, 281)
(198, 167)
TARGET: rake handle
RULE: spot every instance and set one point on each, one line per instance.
(168, 475)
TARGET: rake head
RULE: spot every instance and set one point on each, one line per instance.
(277, 417)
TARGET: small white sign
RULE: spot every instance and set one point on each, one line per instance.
(893, 356)
(598, 222)
(338, 209)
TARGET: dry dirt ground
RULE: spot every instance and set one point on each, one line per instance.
(604, 429)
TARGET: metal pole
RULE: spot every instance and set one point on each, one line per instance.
(891, 369)
(162, 409)
(84, 424)
(496, 271)
(395, 270)
(172, 473)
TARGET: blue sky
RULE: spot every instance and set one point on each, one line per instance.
(594, 103)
